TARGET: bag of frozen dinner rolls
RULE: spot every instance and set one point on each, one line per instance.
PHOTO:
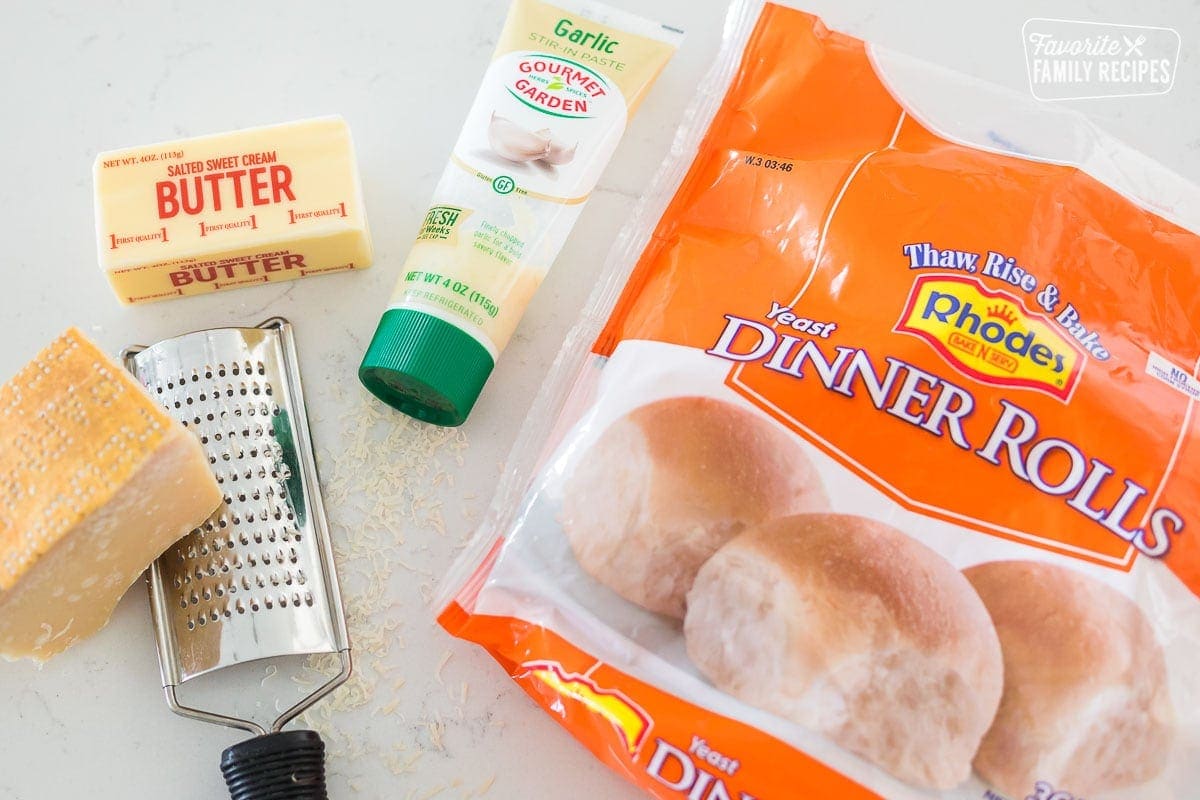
(873, 469)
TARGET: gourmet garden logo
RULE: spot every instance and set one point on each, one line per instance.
(1076, 60)
(557, 86)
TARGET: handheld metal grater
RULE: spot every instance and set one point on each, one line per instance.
(257, 579)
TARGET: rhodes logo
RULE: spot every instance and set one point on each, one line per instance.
(990, 336)
(630, 720)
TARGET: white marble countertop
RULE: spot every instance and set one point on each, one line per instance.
(440, 719)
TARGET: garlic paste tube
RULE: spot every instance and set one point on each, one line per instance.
(561, 87)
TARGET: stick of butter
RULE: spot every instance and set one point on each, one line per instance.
(97, 482)
(235, 209)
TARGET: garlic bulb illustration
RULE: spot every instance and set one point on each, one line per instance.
(509, 140)
(559, 153)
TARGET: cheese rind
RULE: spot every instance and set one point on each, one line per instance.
(98, 482)
(235, 209)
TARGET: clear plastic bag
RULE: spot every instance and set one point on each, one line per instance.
(871, 468)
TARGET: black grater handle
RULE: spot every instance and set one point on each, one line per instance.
(289, 765)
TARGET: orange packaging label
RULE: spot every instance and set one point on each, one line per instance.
(969, 370)
(667, 746)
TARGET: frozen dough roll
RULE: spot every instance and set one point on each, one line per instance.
(853, 629)
(666, 485)
(1086, 707)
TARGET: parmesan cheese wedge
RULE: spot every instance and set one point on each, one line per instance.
(96, 482)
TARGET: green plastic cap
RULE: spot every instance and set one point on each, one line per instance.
(426, 367)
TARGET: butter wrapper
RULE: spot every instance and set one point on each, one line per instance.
(236, 209)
